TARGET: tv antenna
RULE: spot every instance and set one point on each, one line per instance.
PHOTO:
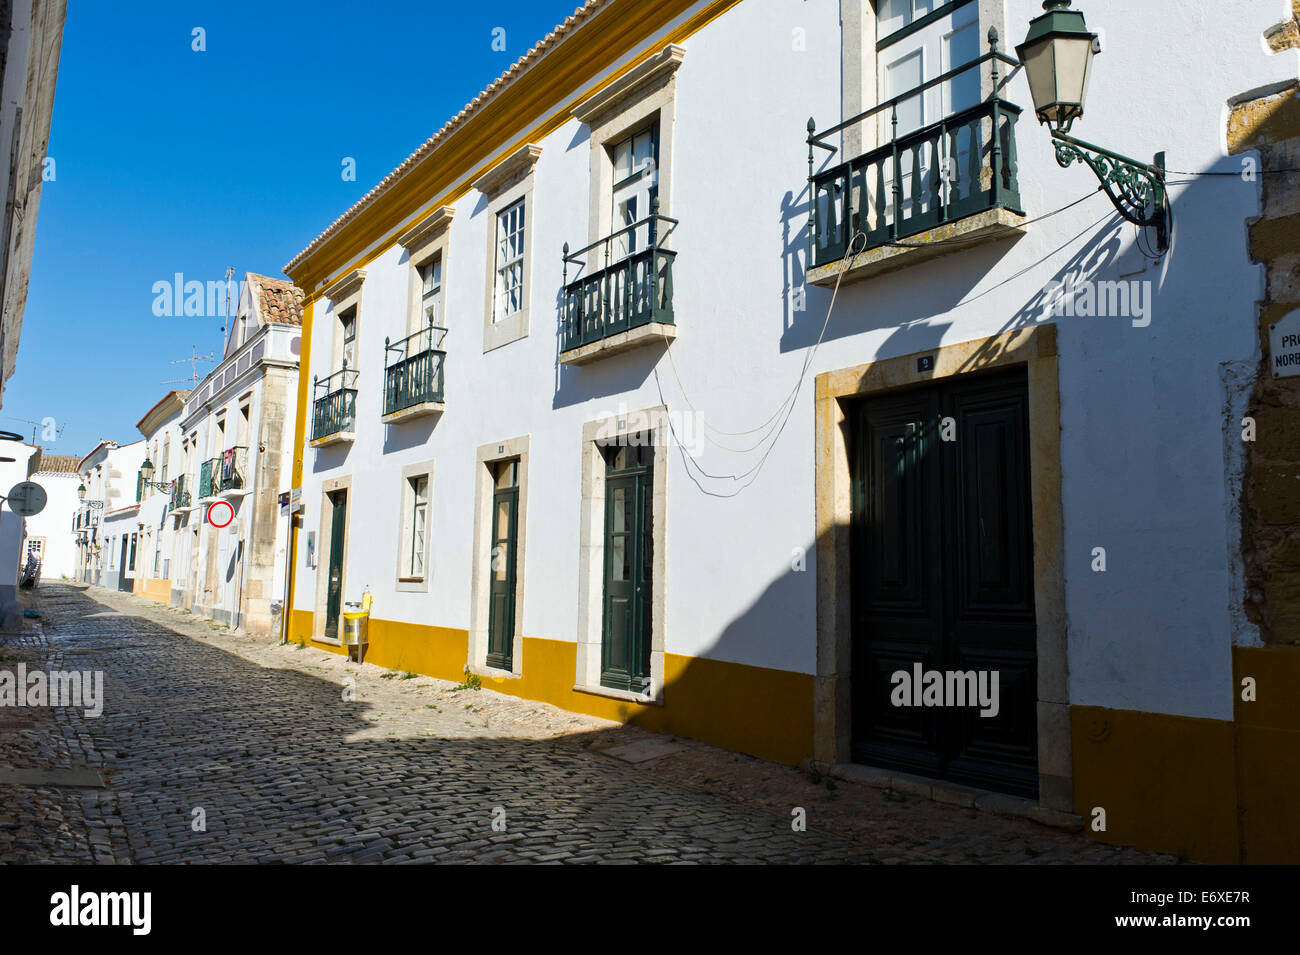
(193, 360)
(230, 271)
(37, 424)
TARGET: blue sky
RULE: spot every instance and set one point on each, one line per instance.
(169, 160)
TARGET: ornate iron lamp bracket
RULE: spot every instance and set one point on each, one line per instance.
(1137, 190)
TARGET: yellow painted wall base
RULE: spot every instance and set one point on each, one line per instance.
(755, 710)
(1268, 753)
(1165, 782)
(159, 589)
(1210, 790)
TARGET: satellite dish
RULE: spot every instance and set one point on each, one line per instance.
(27, 498)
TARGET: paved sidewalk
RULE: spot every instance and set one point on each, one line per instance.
(219, 747)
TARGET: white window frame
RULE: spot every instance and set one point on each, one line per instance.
(406, 581)
(508, 183)
(596, 435)
(644, 95)
(428, 240)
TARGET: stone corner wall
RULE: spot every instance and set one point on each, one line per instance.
(1270, 124)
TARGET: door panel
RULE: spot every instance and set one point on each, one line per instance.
(502, 569)
(943, 577)
(896, 610)
(629, 521)
(334, 585)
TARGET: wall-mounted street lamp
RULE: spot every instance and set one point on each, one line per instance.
(146, 475)
(81, 496)
(1057, 55)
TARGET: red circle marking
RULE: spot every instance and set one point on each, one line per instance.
(216, 504)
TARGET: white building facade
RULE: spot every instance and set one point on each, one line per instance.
(162, 438)
(107, 527)
(228, 561)
(47, 532)
(634, 397)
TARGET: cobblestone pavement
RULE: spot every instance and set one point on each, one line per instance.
(219, 747)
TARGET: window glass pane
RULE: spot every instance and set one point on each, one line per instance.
(503, 520)
(618, 511)
(622, 160)
(961, 47)
(620, 559)
(642, 150)
(891, 15)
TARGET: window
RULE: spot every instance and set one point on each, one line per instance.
(635, 161)
(416, 527)
(508, 187)
(162, 464)
(348, 325)
(508, 297)
(431, 291)
(894, 15)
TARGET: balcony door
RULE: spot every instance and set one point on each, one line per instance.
(636, 183)
(915, 46)
(502, 565)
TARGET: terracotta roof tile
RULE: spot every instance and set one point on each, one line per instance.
(279, 300)
(58, 464)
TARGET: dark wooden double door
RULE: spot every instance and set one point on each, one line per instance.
(943, 576)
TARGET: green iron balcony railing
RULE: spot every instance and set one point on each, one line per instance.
(334, 405)
(962, 165)
(629, 290)
(180, 495)
(413, 369)
(209, 472)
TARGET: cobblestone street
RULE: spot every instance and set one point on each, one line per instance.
(257, 742)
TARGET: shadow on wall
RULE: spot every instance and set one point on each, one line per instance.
(914, 293)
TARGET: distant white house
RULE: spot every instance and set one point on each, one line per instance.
(106, 520)
(47, 532)
(157, 484)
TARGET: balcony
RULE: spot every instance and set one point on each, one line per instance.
(180, 497)
(625, 303)
(334, 408)
(209, 472)
(932, 191)
(232, 469)
(413, 375)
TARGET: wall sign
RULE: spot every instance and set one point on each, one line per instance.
(1284, 345)
(220, 513)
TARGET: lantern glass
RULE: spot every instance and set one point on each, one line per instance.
(1057, 56)
(146, 469)
(81, 492)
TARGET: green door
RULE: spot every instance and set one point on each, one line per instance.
(943, 579)
(334, 591)
(629, 550)
(501, 565)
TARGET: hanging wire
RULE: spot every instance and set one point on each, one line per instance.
(787, 405)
